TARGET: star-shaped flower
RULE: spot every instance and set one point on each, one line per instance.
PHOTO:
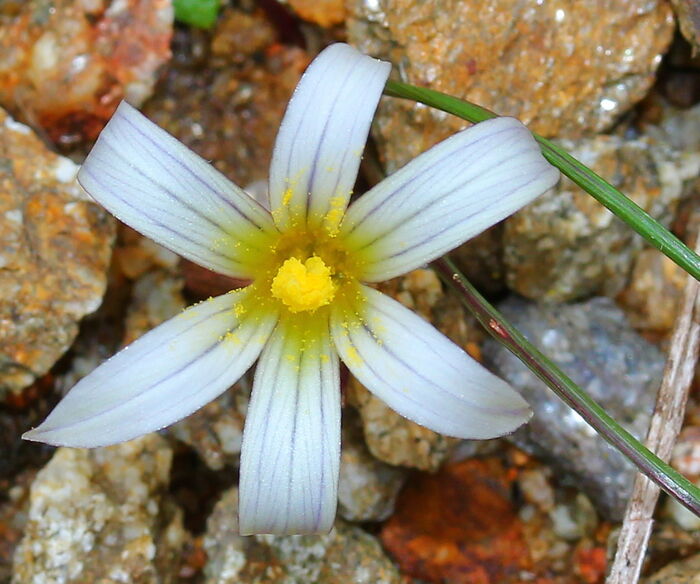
(309, 259)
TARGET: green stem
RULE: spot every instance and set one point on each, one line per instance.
(668, 479)
(596, 186)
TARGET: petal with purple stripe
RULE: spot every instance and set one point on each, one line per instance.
(420, 373)
(162, 377)
(320, 142)
(291, 442)
(155, 184)
(446, 196)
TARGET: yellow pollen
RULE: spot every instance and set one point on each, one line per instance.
(303, 286)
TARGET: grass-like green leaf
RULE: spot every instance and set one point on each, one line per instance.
(199, 13)
(628, 211)
(669, 479)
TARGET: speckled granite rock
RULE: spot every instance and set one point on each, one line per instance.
(55, 246)
(594, 344)
(565, 68)
(66, 64)
(367, 488)
(685, 571)
(566, 246)
(102, 516)
(390, 437)
(346, 554)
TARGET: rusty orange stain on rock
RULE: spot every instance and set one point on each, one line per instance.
(459, 526)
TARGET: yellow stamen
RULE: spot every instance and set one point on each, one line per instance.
(303, 286)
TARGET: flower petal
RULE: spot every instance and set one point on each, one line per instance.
(421, 374)
(322, 137)
(447, 195)
(155, 184)
(291, 442)
(160, 378)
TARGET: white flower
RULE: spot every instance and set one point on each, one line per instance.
(309, 260)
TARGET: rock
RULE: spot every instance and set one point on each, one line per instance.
(55, 246)
(481, 260)
(102, 516)
(678, 127)
(683, 517)
(572, 520)
(135, 255)
(460, 526)
(390, 437)
(653, 295)
(686, 460)
(346, 554)
(13, 518)
(565, 69)
(156, 297)
(594, 344)
(686, 571)
(566, 246)
(367, 488)
(224, 95)
(66, 64)
(322, 12)
(216, 430)
(688, 15)
(536, 487)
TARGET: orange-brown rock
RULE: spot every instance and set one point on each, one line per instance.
(459, 526)
(322, 12)
(66, 64)
(564, 68)
(55, 246)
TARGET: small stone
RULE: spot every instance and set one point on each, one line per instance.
(102, 516)
(216, 430)
(346, 554)
(536, 487)
(686, 571)
(156, 297)
(55, 247)
(686, 453)
(135, 255)
(390, 437)
(594, 344)
(322, 12)
(66, 64)
(367, 488)
(683, 517)
(653, 295)
(565, 69)
(566, 246)
(574, 519)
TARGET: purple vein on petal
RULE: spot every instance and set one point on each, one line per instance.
(199, 179)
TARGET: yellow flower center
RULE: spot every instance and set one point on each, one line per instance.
(303, 286)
